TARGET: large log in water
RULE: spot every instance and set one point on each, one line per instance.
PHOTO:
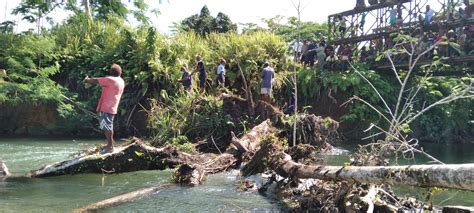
(134, 157)
(458, 176)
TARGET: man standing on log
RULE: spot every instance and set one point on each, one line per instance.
(267, 80)
(112, 89)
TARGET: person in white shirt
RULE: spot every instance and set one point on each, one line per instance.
(297, 47)
(221, 73)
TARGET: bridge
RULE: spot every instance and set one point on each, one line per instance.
(372, 25)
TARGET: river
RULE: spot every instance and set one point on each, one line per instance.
(218, 194)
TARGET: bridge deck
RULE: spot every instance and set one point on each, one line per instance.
(370, 8)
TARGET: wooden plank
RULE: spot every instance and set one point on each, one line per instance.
(361, 38)
(455, 60)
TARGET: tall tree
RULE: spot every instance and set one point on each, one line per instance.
(222, 23)
(203, 23)
(35, 10)
(38, 10)
(293, 28)
(87, 8)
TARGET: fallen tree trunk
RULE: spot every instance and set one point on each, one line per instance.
(184, 175)
(134, 157)
(125, 198)
(457, 176)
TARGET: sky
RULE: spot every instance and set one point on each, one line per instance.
(240, 11)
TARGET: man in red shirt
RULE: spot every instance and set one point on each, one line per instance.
(112, 89)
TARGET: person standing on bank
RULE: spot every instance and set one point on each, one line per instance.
(186, 79)
(221, 73)
(112, 89)
(268, 73)
(202, 74)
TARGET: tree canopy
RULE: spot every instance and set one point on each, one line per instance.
(290, 31)
(204, 24)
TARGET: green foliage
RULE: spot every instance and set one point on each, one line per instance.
(310, 82)
(290, 31)
(29, 63)
(452, 120)
(32, 10)
(175, 119)
(182, 143)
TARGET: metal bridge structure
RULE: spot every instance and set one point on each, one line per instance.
(371, 23)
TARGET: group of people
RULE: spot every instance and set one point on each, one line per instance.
(394, 18)
(267, 74)
(186, 77)
(310, 52)
(322, 54)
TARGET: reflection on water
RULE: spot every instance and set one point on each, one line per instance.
(65, 193)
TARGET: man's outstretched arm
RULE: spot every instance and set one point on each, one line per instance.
(88, 80)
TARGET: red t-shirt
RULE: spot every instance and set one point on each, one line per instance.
(112, 89)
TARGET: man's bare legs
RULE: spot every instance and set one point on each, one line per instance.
(266, 98)
(109, 135)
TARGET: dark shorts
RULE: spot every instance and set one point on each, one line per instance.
(220, 78)
(106, 121)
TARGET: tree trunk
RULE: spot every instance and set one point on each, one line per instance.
(87, 8)
(125, 198)
(248, 92)
(456, 176)
(134, 157)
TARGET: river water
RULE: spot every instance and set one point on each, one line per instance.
(218, 194)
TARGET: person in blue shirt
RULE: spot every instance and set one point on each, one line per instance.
(428, 15)
(221, 73)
